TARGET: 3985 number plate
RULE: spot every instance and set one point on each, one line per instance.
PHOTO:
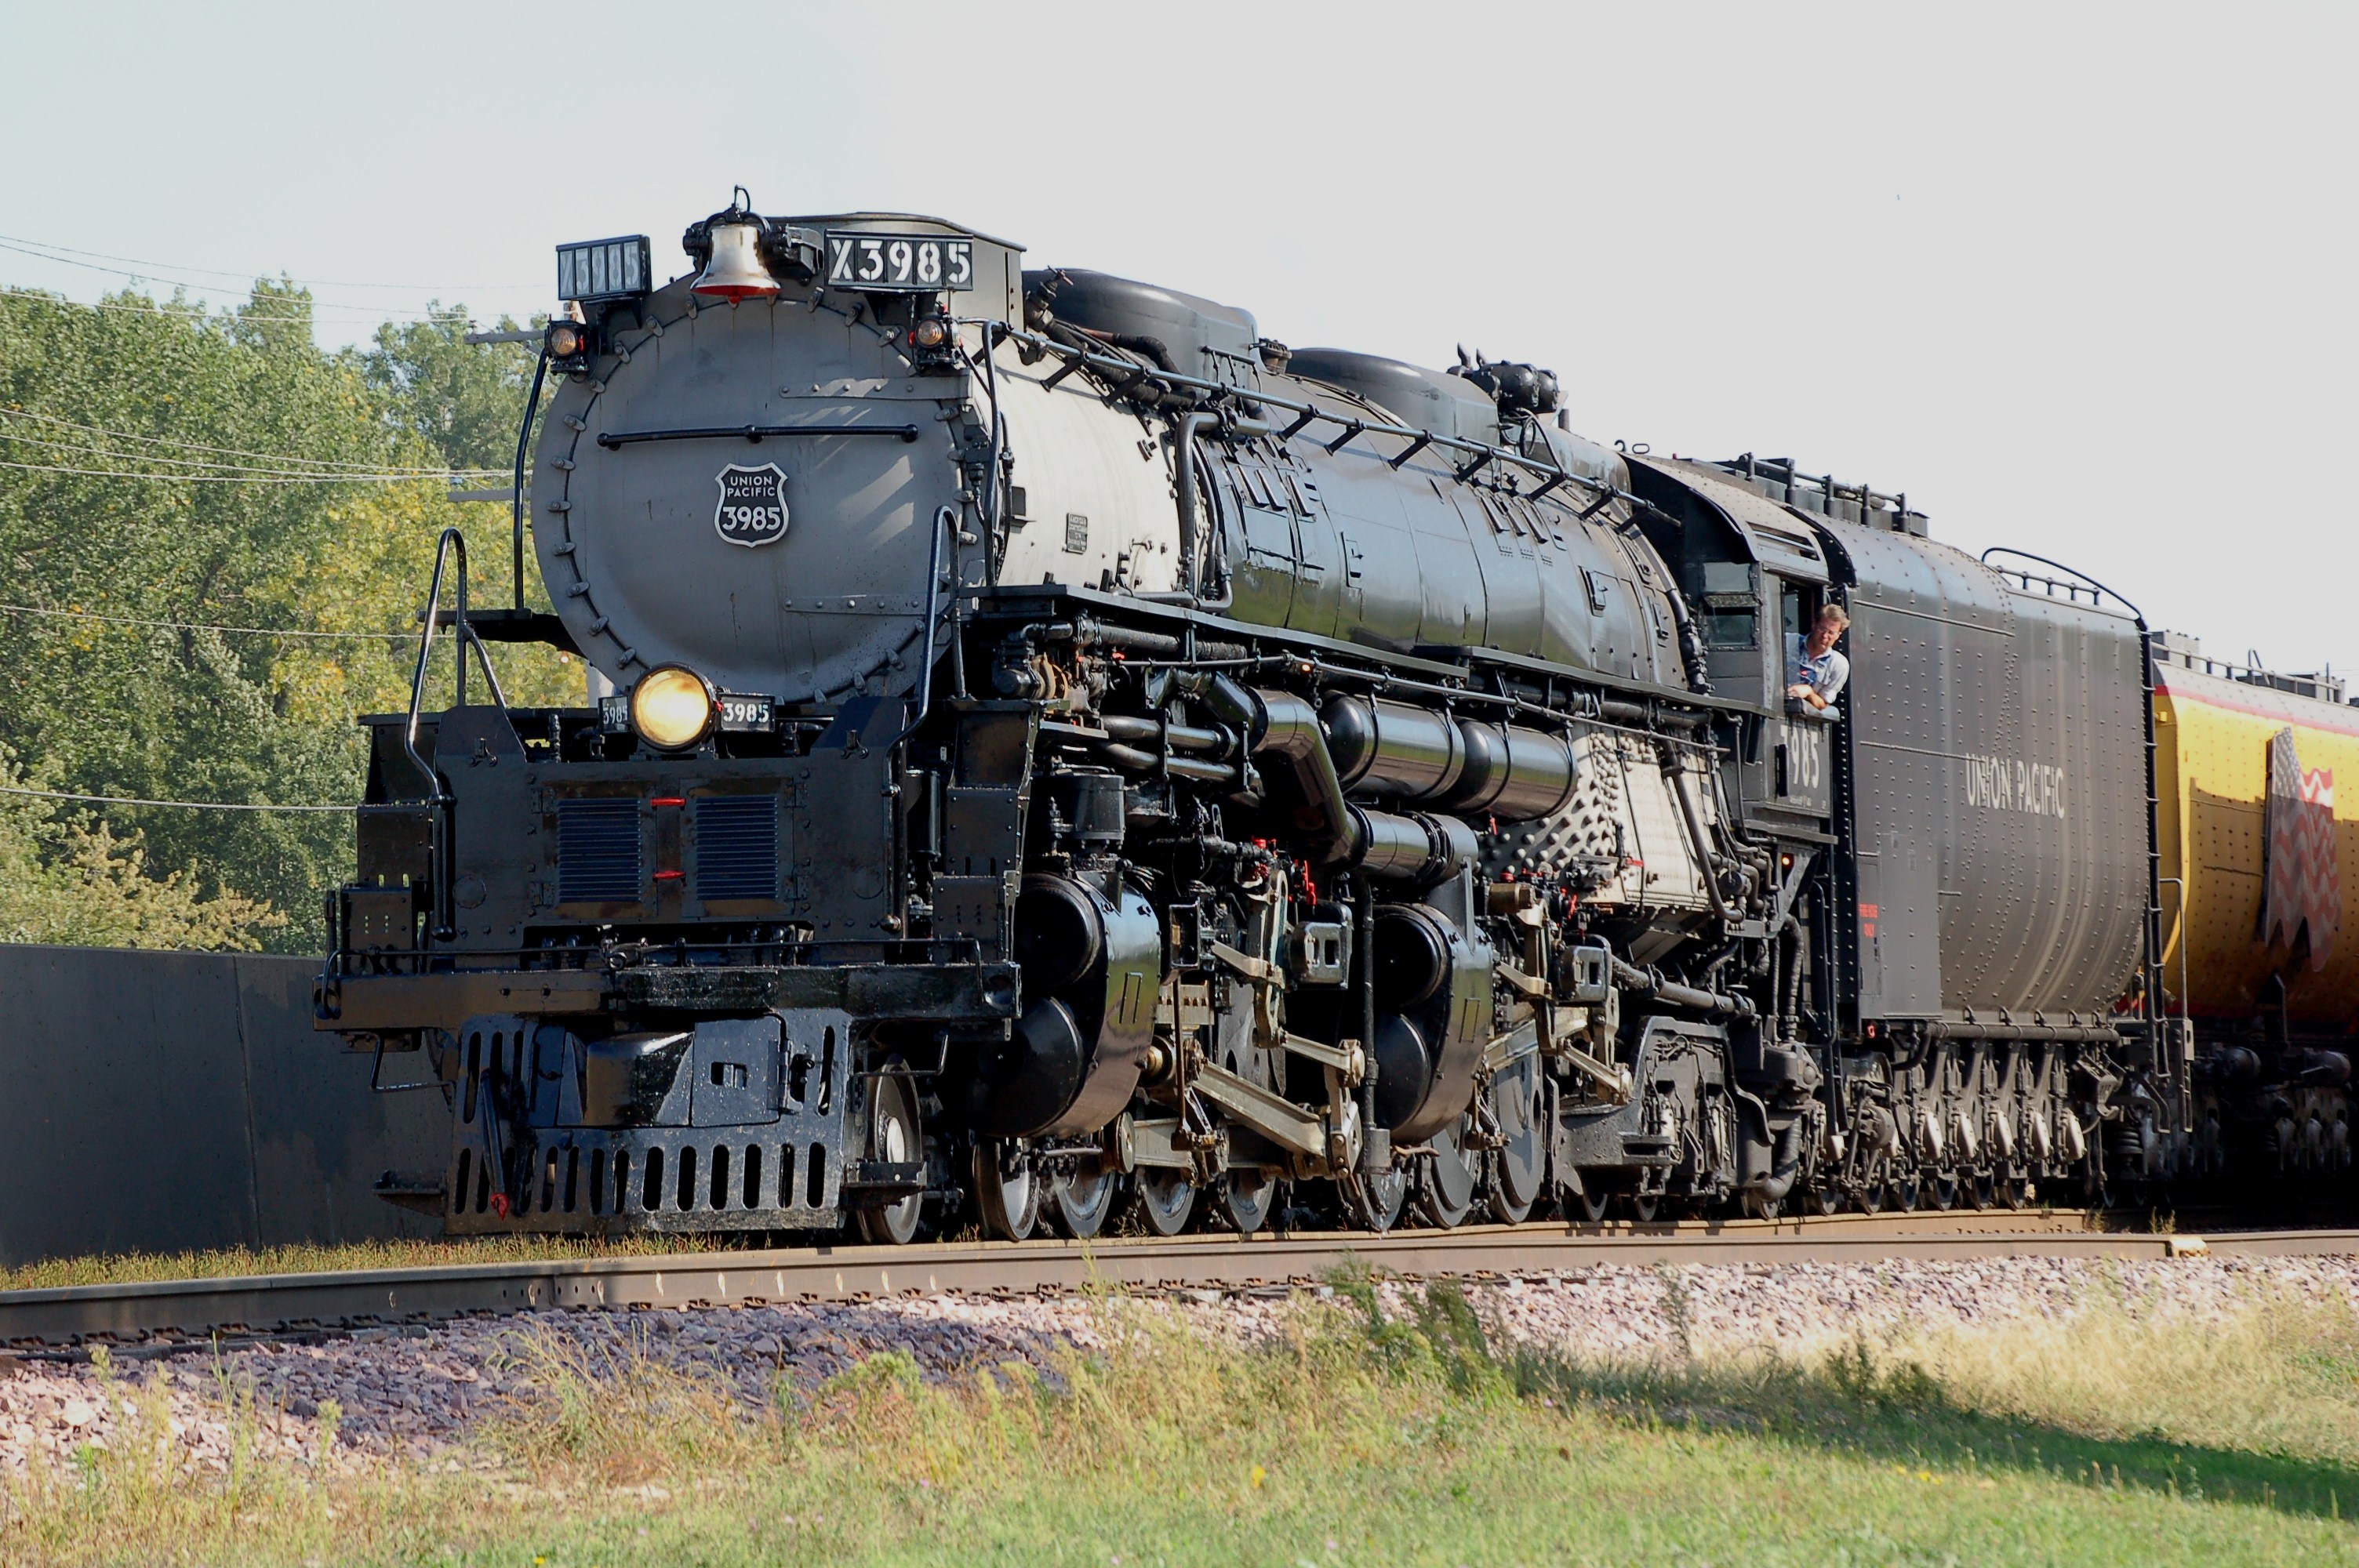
(739, 713)
(898, 264)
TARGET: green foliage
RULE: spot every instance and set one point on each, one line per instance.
(1440, 1337)
(67, 879)
(462, 400)
(180, 712)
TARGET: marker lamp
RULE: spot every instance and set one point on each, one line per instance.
(672, 707)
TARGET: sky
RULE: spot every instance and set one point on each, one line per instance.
(2077, 278)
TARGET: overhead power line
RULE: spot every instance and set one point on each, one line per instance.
(221, 272)
(199, 468)
(317, 305)
(323, 463)
(190, 310)
(219, 478)
(202, 626)
(183, 804)
(197, 284)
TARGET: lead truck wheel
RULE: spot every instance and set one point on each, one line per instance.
(893, 1139)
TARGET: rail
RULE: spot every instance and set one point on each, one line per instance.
(192, 1315)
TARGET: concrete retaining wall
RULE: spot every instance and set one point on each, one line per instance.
(157, 1102)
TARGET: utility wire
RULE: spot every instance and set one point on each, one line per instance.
(199, 626)
(190, 309)
(185, 804)
(201, 468)
(220, 272)
(226, 478)
(195, 283)
(227, 451)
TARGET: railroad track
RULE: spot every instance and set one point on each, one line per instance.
(164, 1316)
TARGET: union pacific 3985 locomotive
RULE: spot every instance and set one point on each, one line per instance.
(1057, 753)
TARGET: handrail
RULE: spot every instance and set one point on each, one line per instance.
(1829, 486)
(945, 519)
(1308, 413)
(452, 541)
(524, 441)
(2178, 939)
(753, 434)
(2083, 579)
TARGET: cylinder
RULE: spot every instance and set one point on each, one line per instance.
(1416, 847)
(1413, 954)
(1058, 933)
(1391, 748)
(1511, 773)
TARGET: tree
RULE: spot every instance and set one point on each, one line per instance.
(167, 500)
(461, 399)
(69, 880)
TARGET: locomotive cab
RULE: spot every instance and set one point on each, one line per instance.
(1757, 576)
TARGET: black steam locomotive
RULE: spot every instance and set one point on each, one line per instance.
(1055, 754)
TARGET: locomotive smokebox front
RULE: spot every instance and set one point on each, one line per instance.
(753, 489)
(792, 564)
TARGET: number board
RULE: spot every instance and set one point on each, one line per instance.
(898, 264)
(740, 714)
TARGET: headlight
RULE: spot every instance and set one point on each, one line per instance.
(672, 707)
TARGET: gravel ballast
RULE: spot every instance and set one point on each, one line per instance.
(418, 1389)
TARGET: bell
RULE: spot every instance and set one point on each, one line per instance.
(736, 271)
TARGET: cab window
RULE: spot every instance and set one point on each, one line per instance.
(1795, 614)
(1731, 616)
(1726, 627)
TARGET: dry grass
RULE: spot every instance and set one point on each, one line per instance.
(2278, 1377)
(1357, 1435)
(125, 1268)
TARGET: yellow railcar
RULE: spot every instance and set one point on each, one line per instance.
(2213, 763)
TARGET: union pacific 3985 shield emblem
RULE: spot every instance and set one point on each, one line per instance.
(752, 509)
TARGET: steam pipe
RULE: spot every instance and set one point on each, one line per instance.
(1688, 999)
(1691, 654)
(1287, 726)
(1785, 1165)
(1183, 444)
(1790, 952)
(2046, 1033)
(1704, 857)
(1364, 956)
(1179, 737)
(1191, 768)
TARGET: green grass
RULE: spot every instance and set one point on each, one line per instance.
(1358, 1438)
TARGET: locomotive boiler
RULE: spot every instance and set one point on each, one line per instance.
(1057, 753)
